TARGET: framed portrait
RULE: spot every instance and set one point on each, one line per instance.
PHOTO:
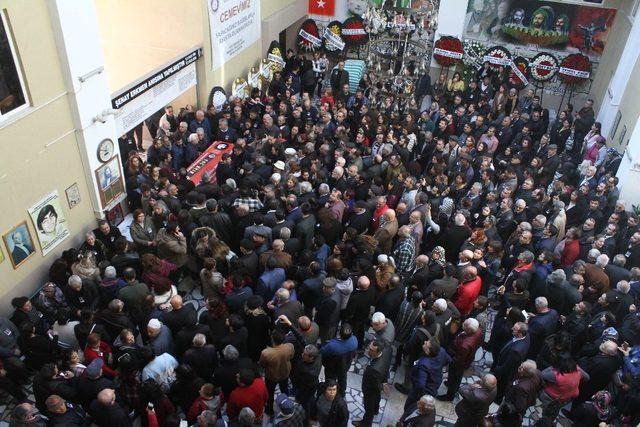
(49, 221)
(73, 195)
(19, 244)
(115, 216)
(110, 182)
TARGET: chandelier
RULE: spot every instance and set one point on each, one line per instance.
(400, 46)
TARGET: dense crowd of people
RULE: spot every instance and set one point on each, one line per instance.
(339, 226)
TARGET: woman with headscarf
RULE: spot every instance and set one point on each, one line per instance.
(596, 411)
(437, 262)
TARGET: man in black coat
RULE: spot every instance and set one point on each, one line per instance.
(108, 412)
(374, 380)
(107, 235)
(361, 218)
(339, 77)
(615, 270)
(420, 414)
(476, 400)
(202, 357)
(63, 413)
(358, 308)
(225, 375)
(180, 316)
(389, 302)
(600, 368)
(510, 357)
(219, 221)
(455, 236)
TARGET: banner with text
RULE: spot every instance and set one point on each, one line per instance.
(234, 25)
(147, 96)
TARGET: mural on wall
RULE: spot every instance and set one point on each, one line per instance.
(541, 25)
(529, 27)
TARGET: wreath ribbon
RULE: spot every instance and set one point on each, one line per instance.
(519, 74)
(276, 59)
(239, 91)
(354, 32)
(496, 60)
(447, 53)
(310, 38)
(574, 73)
(334, 40)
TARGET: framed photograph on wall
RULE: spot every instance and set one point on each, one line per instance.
(110, 182)
(19, 244)
(49, 221)
(73, 195)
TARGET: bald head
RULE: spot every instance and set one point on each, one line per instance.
(176, 302)
(107, 397)
(304, 322)
(364, 283)
(489, 382)
(390, 214)
(422, 260)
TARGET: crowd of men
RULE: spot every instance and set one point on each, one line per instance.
(340, 226)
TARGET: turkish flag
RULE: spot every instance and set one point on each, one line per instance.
(322, 7)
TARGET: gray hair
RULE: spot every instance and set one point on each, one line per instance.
(116, 305)
(602, 260)
(285, 233)
(305, 187)
(312, 350)
(619, 260)
(557, 277)
(529, 366)
(110, 272)
(525, 226)
(521, 203)
(378, 317)
(429, 402)
(324, 188)
(89, 234)
(593, 253)
(199, 340)
(459, 219)
(623, 287)
(471, 325)
(528, 256)
(230, 353)
(283, 295)
(75, 279)
(541, 302)
(541, 219)
(246, 417)
(440, 304)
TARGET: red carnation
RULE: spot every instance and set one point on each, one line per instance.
(448, 51)
(575, 68)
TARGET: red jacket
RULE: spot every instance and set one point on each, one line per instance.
(570, 253)
(104, 353)
(254, 396)
(463, 348)
(375, 222)
(466, 296)
(566, 387)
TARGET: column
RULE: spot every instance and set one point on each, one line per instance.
(618, 83)
(629, 171)
(75, 27)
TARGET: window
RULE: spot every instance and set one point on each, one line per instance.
(12, 90)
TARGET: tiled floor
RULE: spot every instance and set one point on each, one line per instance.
(391, 407)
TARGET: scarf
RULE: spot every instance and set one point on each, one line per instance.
(440, 251)
(601, 401)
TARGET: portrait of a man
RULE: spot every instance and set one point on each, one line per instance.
(19, 244)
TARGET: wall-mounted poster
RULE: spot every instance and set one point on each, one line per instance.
(110, 182)
(19, 244)
(564, 27)
(73, 195)
(49, 222)
(234, 25)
